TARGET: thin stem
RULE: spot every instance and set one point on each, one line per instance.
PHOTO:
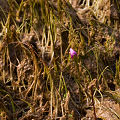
(93, 103)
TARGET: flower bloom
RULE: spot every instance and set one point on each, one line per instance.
(72, 53)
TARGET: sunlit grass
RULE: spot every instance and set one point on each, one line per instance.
(37, 67)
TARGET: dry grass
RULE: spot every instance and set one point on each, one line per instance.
(38, 78)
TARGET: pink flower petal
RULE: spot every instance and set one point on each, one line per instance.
(72, 52)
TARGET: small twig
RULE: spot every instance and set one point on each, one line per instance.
(93, 103)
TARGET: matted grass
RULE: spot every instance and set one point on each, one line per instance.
(38, 78)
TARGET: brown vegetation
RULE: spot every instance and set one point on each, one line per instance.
(38, 78)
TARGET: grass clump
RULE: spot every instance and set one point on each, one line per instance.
(39, 79)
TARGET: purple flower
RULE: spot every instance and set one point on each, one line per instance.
(72, 52)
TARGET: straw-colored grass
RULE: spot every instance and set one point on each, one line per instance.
(38, 78)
